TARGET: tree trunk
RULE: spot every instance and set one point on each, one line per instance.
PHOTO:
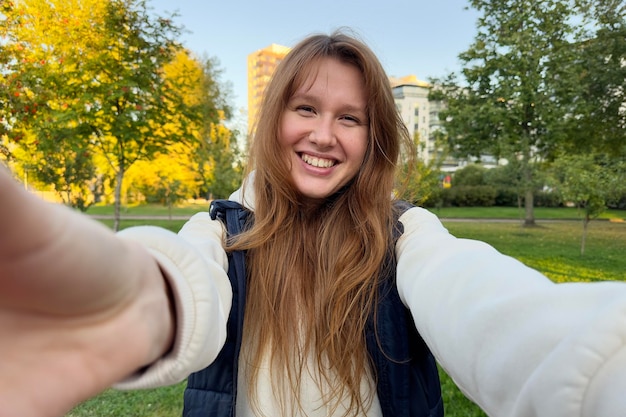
(526, 171)
(529, 209)
(119, 176)
(529, 195)
(583, 240)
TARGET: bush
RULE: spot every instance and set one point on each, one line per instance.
(445, 198)
(547, 199)
(434, 200)
(618, 203)
(506, 197)
(469, 175)
(472, 196)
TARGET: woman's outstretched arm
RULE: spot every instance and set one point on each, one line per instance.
(80, 308)
(516, 343)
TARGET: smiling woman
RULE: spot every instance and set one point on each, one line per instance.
(323, 296)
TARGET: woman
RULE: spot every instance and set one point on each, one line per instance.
(89, 308)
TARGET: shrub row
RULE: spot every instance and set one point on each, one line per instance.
(488, 196)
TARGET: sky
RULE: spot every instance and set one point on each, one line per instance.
(410, 37)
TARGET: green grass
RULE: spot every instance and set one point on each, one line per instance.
(569, 213)
(189, 209)
(173, 225)
(553, 248)
(186, 209)
(159, 402)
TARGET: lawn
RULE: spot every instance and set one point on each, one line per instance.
(563, 213)
(552, 247)
(188, 209)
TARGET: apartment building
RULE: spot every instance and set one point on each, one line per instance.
(421, 118)
(261, 66)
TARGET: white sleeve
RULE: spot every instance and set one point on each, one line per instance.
(195, 265)
(514, 342)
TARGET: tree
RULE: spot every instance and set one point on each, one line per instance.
(590, 182)
(217, 158)
(221, 170)
(596, 96)
(214, 157)
(166, 179)
(98, 80)
(506, 104)
(68, 167)
(200, 168)
(420, 180)
(37, 39)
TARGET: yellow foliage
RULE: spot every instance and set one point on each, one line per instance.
(53, 28)
(185, 74)
(168, 168)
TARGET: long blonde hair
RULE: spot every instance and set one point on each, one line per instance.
(313, 272)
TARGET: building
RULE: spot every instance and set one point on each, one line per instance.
(411, 97)
(261, 66)
(421, 117)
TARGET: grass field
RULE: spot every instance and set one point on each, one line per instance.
(553, 248)
(560, 213)
(444, 212)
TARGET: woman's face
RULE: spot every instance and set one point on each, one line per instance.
(324, 129)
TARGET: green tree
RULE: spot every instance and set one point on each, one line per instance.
(420, 180)
(596, 95)
(423, 186)
(590, 182)
(222, 159)
(505, 105)
(68, 167)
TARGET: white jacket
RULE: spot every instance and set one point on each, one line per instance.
(514, 342)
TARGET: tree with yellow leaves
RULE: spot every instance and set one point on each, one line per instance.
(88, 77)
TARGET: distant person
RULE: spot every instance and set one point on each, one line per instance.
(346, 297)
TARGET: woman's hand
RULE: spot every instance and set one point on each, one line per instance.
(80, 308)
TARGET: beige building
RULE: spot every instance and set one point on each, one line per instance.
(261, 66)
(421, 118)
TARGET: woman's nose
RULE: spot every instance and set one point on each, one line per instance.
(323, 134)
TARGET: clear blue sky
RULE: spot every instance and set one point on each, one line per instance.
(417, 37)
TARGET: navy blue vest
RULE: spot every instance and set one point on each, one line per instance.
(407, 378)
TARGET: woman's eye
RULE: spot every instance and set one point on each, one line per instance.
(349, 118)
(305, 109)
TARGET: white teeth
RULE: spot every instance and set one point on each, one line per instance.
(318, 162)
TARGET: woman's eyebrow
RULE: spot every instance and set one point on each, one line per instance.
(350, 108)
